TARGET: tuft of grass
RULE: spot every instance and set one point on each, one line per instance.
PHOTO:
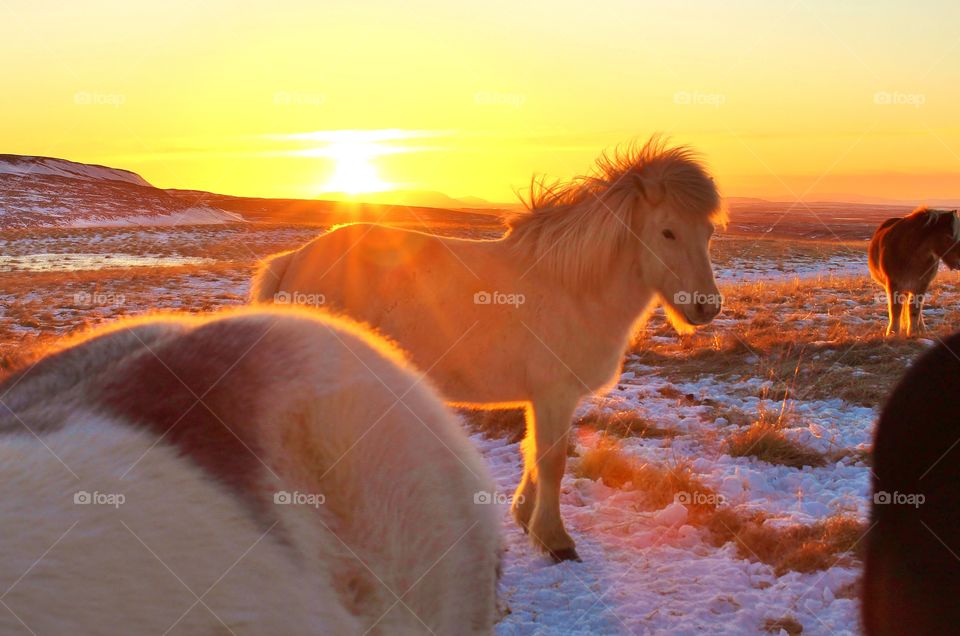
(733, 415)
(850, 590)
(800, 548)
(605, 462)
(509, 424)
(670, 392)
(661, 484)
(786, 624)
(765, 439)
(768, 442)
(623, 424)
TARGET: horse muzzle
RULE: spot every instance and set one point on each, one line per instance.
(701, 313)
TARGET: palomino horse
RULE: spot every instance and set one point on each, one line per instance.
(904, 255)
(540, 317)
(248, 473)
(912, 579)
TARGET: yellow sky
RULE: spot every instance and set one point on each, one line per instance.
(783, 98)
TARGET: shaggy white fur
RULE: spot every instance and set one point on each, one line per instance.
(539, 318)
(356, 512)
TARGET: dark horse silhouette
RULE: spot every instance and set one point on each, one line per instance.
(904, 255)
(912, 577)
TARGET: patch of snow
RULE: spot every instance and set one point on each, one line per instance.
(764, 268)
(74, 262)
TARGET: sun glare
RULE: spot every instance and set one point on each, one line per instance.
(354, 154)
(354, 171)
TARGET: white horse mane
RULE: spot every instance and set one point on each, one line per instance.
(576, 229)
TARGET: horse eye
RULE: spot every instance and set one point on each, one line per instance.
(668, 234)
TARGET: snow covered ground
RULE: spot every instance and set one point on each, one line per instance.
(841, 263)
(645, 570)
(744, 259)
(651, 573)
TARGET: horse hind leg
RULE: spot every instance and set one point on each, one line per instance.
(551, 427)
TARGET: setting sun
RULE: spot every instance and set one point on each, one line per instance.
(353, 154)
(354, 171)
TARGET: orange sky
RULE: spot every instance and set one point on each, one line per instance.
(785, 99)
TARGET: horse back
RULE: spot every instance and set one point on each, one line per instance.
(227, 413)
(897, 257)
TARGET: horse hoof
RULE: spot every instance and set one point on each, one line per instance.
(566, 554)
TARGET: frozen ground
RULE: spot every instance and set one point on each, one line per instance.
(644, 570)
(746, 259)
(839, 264)
(648, 572)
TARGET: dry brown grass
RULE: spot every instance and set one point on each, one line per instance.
(765, 438)
(768, 442)
(731, 414)
(243, 242)
(509, 424)
(810, 337)
(787, 624)
(660, 484)
(801, 548)
(623, 424)
(18, 351)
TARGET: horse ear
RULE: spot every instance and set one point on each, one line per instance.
(653, 191)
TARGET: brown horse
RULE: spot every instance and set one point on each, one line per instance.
(904, 255)
(912, 576)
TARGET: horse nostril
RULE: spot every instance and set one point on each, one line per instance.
(707, 310)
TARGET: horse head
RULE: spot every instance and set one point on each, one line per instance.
(674, 225)
(647, 212)
(948, 238)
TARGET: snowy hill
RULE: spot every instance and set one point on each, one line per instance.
(48, 192)
(25, 165)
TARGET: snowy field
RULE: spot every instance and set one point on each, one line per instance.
(648, 571)
(798, 343)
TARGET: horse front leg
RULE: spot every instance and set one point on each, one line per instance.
(916, 325)
(544, 463)
(894, 309)
(525, 496)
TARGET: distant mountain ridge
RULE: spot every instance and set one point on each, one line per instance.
(38, 192)
(49, 192)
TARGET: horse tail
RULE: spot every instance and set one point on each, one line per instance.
(266, 280)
